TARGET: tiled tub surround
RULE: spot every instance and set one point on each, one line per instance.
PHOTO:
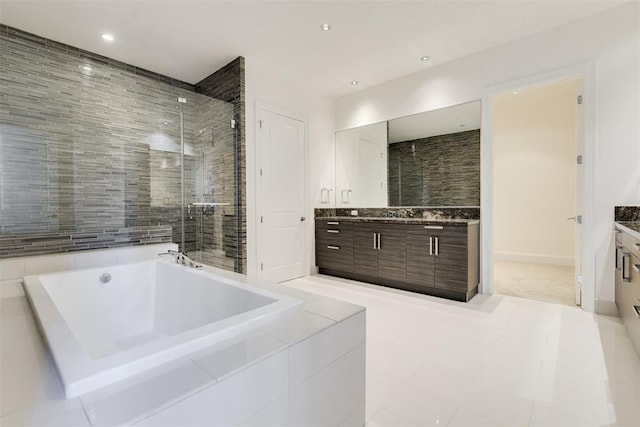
(308, 369)
(144, 315)
(441, 170)
(427, 213)
(90, 144)
(12, 245)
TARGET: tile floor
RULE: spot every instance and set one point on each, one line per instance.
(495, 361)
(541, 282)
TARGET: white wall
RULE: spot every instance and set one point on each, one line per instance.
(273, 87)
(534, 174)
(609, 41)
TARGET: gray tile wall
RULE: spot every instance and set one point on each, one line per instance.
(442, 170)
(228, 84)
(94, 151)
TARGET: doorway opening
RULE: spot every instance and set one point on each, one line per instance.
(537, 183)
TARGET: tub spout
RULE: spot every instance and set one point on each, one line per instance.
(182, 259)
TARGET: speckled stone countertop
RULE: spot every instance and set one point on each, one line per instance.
(630, 227)
(627, 219)
(401, 220)
(419, 213)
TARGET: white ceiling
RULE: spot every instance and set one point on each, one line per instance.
(459, 118)
(370, 41)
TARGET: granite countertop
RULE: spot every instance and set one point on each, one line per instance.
(630, 227)
(402, 220)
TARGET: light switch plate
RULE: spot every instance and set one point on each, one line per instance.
(354, 212)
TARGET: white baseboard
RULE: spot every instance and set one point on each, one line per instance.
(607, 308)
(534, 258)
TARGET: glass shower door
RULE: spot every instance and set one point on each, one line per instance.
(211, 220)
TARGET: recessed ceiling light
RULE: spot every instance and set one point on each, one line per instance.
(107, 37)
(425, 58)
(86, 67)
(515, 92)
(325, 27)
(165, 123)
(355, 82)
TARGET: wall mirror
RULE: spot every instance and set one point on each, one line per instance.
(424, 160)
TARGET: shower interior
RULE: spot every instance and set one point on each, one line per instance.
(209, 184)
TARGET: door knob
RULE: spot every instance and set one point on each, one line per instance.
(577, 218)
(302, 218)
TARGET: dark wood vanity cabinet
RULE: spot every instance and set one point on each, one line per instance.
(334, 245)
(435, 259)
(627, 284)
(379, 250)
(438, 257)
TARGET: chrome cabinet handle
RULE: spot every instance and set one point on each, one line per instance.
(333, 223)
(430, 245)
(379, 241)
(333, 231)
(335, 248)
(374, 241)
(618, 249)
(626, 273)
(437, 246)
(434, 227)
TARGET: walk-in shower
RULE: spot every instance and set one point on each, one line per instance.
(110, 155)
(208, 219)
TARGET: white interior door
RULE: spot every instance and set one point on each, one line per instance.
(281, 189)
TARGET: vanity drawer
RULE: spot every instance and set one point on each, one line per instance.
(334, 228)
(334, 256)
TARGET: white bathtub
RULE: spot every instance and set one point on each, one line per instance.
(149, 313)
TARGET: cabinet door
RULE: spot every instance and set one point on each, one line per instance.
(619, 289)
(420, 259)
(451, 259)
(365, 252)
(392, 253)
(632, 298)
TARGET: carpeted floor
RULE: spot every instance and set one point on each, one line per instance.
(541, 282)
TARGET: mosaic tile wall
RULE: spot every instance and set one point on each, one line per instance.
(441, 170)
(228, 84)
(91, 146)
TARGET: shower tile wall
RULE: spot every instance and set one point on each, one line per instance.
(228, 84)
(89, 146)
(214, 181)
(440, 170)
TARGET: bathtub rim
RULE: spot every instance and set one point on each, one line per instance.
(79, 374)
